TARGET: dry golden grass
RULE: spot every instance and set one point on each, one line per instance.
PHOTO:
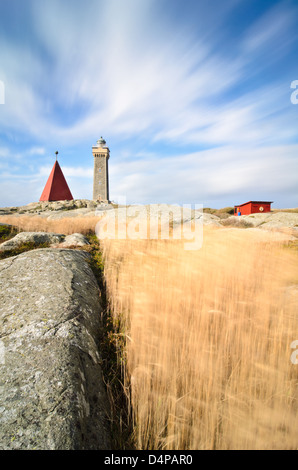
(206, 336)
(207, 340)
(66, 225)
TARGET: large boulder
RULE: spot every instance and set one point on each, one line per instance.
(268, 220)
(163, 212)
(135, 221)
(36, 238)
(52, 394)
(58, 215)
(75, 239)
(55, 210)
(281, 219)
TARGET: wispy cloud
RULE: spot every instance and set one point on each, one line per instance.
(113, 66)
(258, 172)
(270, 31)
(152, 80)
(151, 75)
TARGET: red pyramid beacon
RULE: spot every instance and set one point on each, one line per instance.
(56, 188)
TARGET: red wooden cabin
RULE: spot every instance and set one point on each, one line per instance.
(253, 207)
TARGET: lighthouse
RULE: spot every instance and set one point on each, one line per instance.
(101, 154)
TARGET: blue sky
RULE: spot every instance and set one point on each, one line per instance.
(193, 98)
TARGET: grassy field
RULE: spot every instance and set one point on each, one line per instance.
(203, 337)
(67, 225)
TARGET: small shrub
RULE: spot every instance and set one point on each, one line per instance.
(221, 213)
(7, 232)
(237, 223)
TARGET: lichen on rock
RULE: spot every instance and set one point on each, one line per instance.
(52, 392)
